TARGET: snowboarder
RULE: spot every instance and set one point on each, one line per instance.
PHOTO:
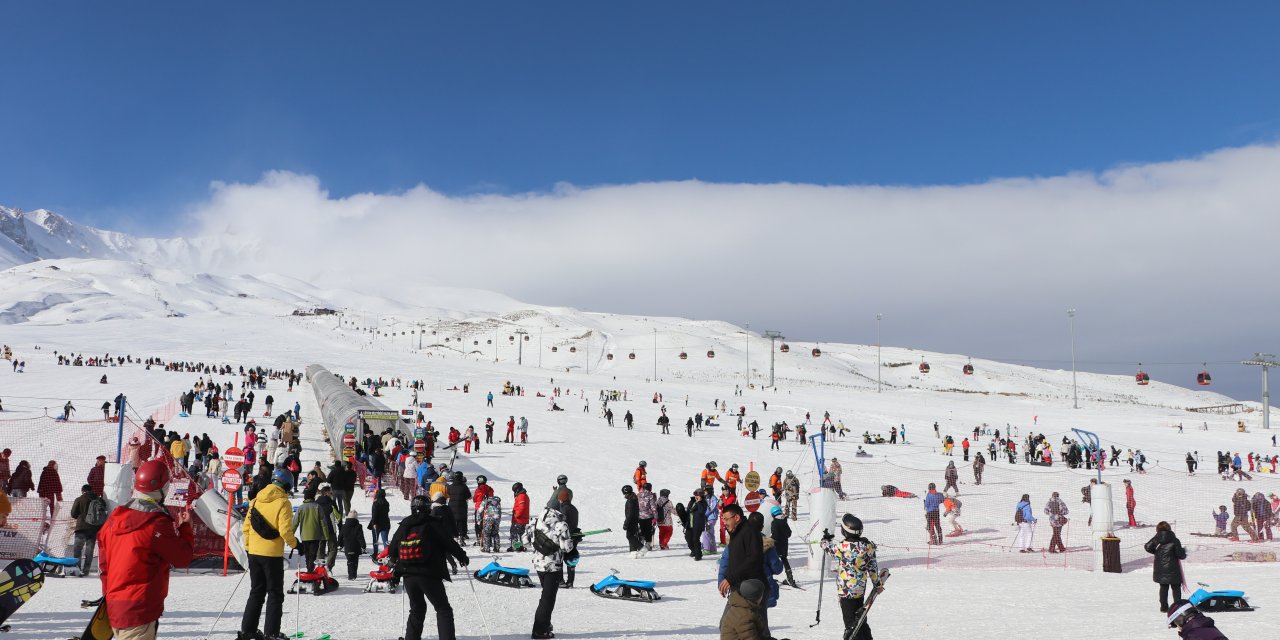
(519, 515)
(418, 551)
(631, 521)
(858, 573)
(780, 531)
(140, 545)
(694, 522)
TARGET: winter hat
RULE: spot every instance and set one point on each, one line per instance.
(86, 488)
(352, 514)
(1180, 611)
(752, 589)
(775, 511)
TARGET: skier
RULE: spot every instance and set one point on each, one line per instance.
(511, 430)
(951, 511)
(1025, 519)
(694, 522)
(562, 484)
(629, 419)
(780, 531)
(519, 515)
(141, 544)
(837, 472)
(932, 502)
(979, 464)
(791, 490)
(1130, 503)
(524, 430)
(478, 501)
(552, 543)
(1057, 511)
(951, 475)
(418, 551)
(640, 476)
(775, 484)
(858, 572)
(1167, 567)
(491, 516)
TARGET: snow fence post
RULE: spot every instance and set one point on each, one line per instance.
(822, 516)
(1103, 520)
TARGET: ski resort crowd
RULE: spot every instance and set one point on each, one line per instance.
(723, 516)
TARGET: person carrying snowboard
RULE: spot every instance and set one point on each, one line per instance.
(552, 544)
(859, 574)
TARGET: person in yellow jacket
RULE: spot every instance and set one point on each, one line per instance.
(267, 528)
(439, 486)
(177, 449)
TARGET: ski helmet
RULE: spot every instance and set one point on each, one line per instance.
(419, 504)
(851, 525)
(153, 475)
(734, 466)
(282, 478)
(775, 511)
(626, 489)
(481, 479)
(458, 477)
(562, 479)
(517, 488)
(711, 465)
(778, 471)
(643, 463)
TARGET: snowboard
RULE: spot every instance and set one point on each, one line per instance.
(18, 583)
(99, 627)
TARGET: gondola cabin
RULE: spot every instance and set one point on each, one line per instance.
(511, 338)
(526, 338)
(1142, 378)
(711, 354)
(631, 356)
(475, 343)
(924, 367)
(1203, 379)
(784, 348)
(968, 369)
(609, 357)
(489, 341)
(684, 356)
(554, 349)
(573, 349)
(817, 352)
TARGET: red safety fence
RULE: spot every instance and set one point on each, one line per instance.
(45, 522)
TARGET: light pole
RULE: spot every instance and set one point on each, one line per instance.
(878, 367)
(772, 336)
(748, 332)
(1075, 396)
(1266, 361)
(539, 347)
(520, 334)
(655, 354)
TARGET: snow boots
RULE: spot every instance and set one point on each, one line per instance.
(494, 573)
(316, 582)
(634, 590)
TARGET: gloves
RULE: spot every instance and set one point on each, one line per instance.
(827, 536)
(572, 556)
(464, 560)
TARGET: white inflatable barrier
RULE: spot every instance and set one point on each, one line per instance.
(211, 508)
(822, 516)
(1103, 520)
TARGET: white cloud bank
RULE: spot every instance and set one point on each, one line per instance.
(1172, 259)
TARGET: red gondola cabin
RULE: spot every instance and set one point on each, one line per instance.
(968, 369)
(924, 367)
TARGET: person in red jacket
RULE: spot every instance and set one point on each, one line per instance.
(50, 487)
(1130, 503)
(139, 544)
(96, 475)
(519, 514)
(478, 497)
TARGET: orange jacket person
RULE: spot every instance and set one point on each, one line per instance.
(640, 476)
(139, 544)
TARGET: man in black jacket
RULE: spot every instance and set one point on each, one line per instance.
(418, 552)
(695, 522)
(86, 532)
(459, 503)
(570, 514)
(631, 520)
(746, 551)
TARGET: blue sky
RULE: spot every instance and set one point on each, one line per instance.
(123, 114)
(120, 113)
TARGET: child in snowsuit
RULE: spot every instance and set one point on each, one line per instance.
(351, 540)
(491, 518)
(1220, 518)
(858, 573)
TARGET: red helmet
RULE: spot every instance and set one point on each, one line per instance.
(153, 475)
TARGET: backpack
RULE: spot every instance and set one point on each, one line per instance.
(260, 525)
(97, 512)
(1017, 515)
(542, 543)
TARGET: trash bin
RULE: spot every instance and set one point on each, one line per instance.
(1111, 555)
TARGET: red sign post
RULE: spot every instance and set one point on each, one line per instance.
(233, 457)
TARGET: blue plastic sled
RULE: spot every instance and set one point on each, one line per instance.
(494, 573)
(1226, 600)
(635, 590)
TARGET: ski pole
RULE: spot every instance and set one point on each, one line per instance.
(822, 578)
(483, 620)
(227, 603)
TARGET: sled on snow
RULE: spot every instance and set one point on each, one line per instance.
(317, 582)
(57, 567)
(494, 573)
(382, 579)
(1226, 600)
(612, 586)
